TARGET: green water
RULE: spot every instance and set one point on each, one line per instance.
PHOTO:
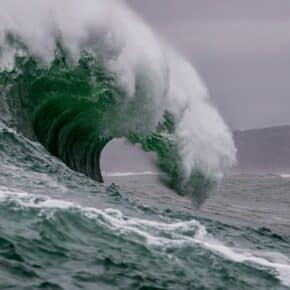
(74, 110)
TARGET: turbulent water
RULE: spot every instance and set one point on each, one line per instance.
(73, 77)
(61, 230)
(77, 76)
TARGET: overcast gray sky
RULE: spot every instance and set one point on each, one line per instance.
(240, 47)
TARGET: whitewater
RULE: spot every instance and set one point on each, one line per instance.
(76, 75)
(106, 75)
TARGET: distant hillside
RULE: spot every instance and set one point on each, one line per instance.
(264, 149)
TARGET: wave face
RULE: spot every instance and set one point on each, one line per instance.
(77, 75)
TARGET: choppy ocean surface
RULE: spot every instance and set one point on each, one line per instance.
(61, 230)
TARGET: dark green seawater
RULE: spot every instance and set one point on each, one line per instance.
(61, 230)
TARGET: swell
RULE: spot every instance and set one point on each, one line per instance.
(57, 238)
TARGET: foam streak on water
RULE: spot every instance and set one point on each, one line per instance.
(157, 235)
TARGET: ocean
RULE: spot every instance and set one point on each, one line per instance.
(61, 230)
(75, 75)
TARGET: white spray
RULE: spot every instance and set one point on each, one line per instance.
(170, 82)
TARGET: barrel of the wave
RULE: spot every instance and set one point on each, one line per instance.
(68, 114)
(71, 135)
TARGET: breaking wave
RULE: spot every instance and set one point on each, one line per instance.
(75, 75)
